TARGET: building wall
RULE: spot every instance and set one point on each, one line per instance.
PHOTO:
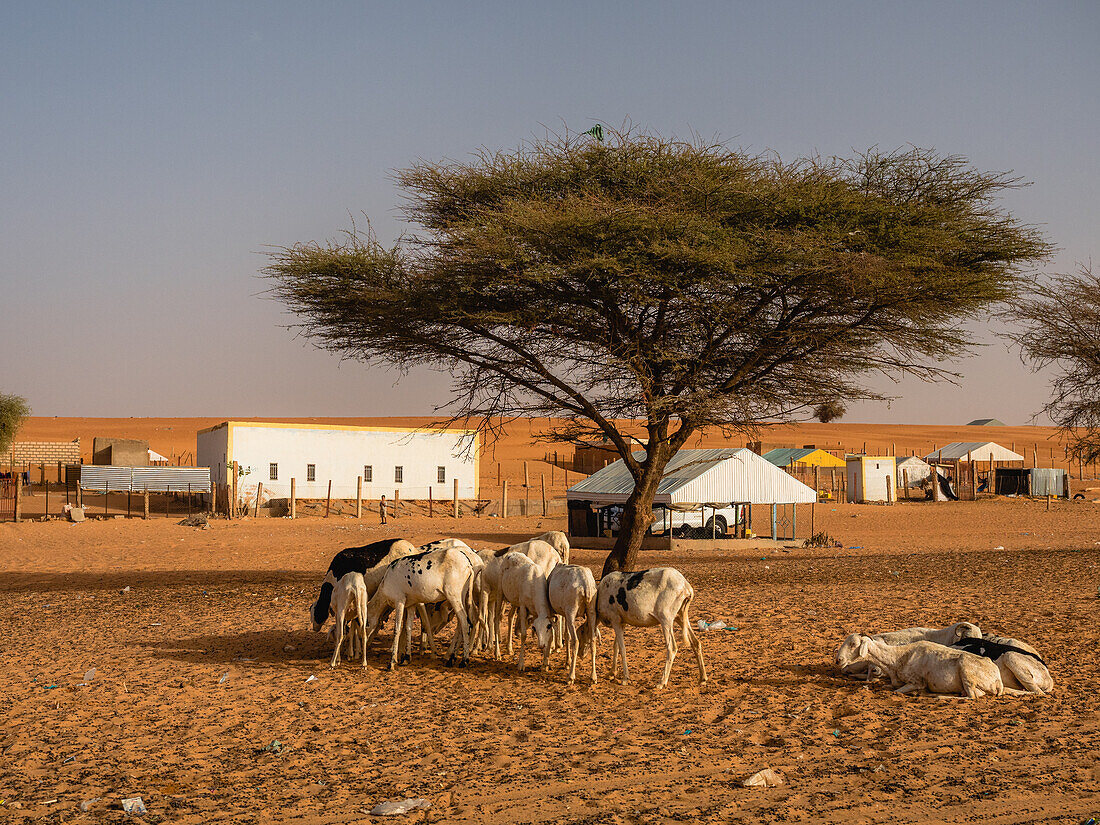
(867, 478)
(43, 452)
(120, 452)
(339, 454)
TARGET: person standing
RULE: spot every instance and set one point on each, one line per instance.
(382, 509)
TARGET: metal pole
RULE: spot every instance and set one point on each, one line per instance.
(293, 500)
(456, 513)
(189, 499)
(773, 523)
(359, 497)
(104, 498)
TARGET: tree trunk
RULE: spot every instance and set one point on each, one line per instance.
(636, 518)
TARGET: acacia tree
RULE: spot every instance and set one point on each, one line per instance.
(1060, 328)
(13, 412)
(672, 285)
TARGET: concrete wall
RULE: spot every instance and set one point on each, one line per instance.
(43, 452)
(120, 452)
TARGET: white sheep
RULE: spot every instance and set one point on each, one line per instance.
(846, 654)
(572, 590)
(547, 558)
(932, 667)
(423, 578)
(646, 599)
(558, 540)
(1020, 665)
(523, 584)
(350, 598)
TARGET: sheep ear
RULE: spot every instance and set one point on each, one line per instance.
(958, 631)
(864, 644)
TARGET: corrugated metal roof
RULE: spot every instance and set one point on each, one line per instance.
(719, 475)
(782, 456)
(980, 451)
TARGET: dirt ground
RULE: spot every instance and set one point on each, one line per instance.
(205, 660)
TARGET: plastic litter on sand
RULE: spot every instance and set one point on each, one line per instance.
(312, 679)
(134, 806)
(225, 677)
(395, 807)
(766, 778)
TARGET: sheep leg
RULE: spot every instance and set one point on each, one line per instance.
(511, 618)
(398, 622)
(692, 638)
(592, 630)
(522, 611)
(620, 646)
(363, 638)
(339, 638)
(572, 649)
(670, 651)
(497, 608)
(408, 638)
(463, 628)
(426, 628)
(909, 688)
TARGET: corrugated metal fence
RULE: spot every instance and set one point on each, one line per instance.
(138, 479)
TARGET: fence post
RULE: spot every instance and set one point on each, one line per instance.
(543, 478)
(526, 478)
(456, 512)
(293, 499)
(105, 493)
(46, 485)
(79, 492)
(359, 497)
(905, 484)
(396, 502)
(431, 505)
(504, 499)
(328, 498)
(145, 502)
(259, 494)
(890, 494)
(18, 496)
(233, 503)
(773, 523)
(992, 476)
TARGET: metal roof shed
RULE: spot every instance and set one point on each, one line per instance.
(977, 450)
(806, 456)
(694, 477)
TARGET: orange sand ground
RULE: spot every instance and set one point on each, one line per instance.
(487, 744)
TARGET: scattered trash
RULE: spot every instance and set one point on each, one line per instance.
(47, 802)
(224, 679)
(312, 679)
(197, 520)
(856, 547)
(74, 514)
(87, 804)
(274, 746)
(49, 687)
(836, 733)
(766, 778)
(68, 759)
(686, 732)
(134, 806)
(89, 675)
(156, 624)
(999, 547)
(288, 648)
(715, 625)
(126, 589)
(395, 807)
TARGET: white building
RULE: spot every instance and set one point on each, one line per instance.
(973, 451)
(872, 478)
(389, 459)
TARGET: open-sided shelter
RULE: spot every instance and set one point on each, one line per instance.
(718, 480)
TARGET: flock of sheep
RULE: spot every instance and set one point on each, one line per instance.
(958, 659)
(446, 578)
(565, 606)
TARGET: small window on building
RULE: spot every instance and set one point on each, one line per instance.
(311, 472)
(441, 474)
(398, 474)
(273, 472)
(368, 472)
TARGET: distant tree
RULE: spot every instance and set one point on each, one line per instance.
(676, 285)
(1060, 330)
(13, 412)
(828, 411)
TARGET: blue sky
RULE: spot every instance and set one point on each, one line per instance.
(150, 153)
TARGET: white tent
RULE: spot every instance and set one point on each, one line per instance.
(695, 477)
(976, 450)
(915, 470)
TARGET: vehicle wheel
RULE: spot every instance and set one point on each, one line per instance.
(684, 531)
(1079, 496)
(715, 524)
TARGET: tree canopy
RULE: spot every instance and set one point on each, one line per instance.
(682, 284)
(13, 412)
(1059, 329)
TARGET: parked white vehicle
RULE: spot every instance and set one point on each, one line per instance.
(718, 521)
